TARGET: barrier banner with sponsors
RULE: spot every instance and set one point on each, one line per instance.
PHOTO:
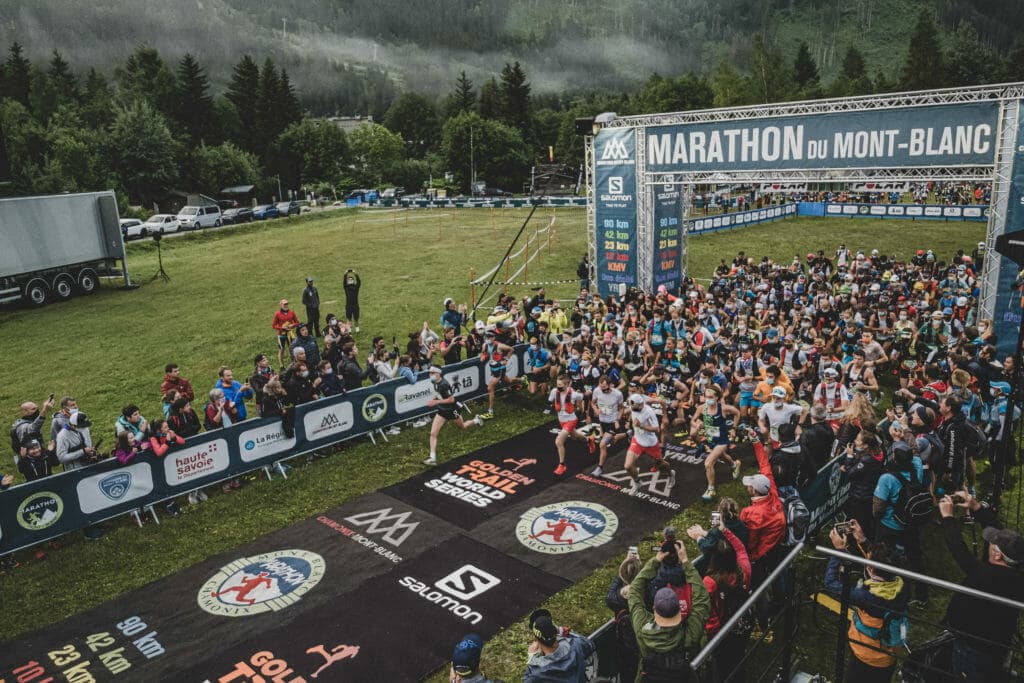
(935, 212)
(937, 135)
(667, 236)
(826, 494)
(1007, 313)
(46, 508)
(615, 207)
(728, 221)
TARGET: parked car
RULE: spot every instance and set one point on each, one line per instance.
(195, 217)
(265, 211)
(288, 208)
(161, 224)
(127, 223)
(240, 214)
(494, 192)
(393, 193)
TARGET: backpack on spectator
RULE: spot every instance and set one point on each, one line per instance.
(798, 519)
(975, 440)
(666, 667)
(892, 632)
(624, 633)
(913, 506)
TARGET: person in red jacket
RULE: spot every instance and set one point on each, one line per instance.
(285, 321)
(174, 380)
(162, 439)
(764, 517)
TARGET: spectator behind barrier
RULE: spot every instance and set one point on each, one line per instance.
(556, 654)
(984, 630)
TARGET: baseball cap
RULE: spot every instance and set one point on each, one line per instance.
(831, 372)
(1010, 543)
(480, 326)
(779, 392)
(33, 443)
(543, 627)
(947, 311)
(447, 301)
(309, 279)
(666, 603)
(636, 401)
(80, 420)
(760, 483)
(923, 446)
(466, 656)
(584, 328)
(537, 310)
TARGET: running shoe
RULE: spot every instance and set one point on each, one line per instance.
(193, 498)
(202, 496)
(430, 461)
(560, 470)
(708, 495)
(488, 415)
(596, 472)
(682, 433)
(478, 421)
(671, 478)
(634, 486)
(736, 465)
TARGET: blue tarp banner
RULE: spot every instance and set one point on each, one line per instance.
(667, 236)
(46, 508)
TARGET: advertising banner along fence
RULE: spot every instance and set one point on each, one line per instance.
(667, 237)
(615, 209)
(46, 508)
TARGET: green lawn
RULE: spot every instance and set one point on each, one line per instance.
(110, 349)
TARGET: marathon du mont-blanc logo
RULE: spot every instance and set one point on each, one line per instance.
(40, 510)
(116, 486)
(375, 407)
(263, 583)
(566, 527)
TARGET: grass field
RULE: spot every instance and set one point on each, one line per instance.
(110, 349)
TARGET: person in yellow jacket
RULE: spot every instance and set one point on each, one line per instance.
(878, 608)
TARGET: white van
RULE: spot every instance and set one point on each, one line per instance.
(195, 217)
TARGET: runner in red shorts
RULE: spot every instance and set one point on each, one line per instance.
(646, 428)
(566, 400)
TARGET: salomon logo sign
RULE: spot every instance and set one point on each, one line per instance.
(468, 582)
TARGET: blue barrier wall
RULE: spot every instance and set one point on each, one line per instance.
(728, 221)
(37, 511)
(932, 212)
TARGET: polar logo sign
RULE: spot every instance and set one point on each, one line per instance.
(196, 462)
(464, 381)
(566, 527)
(375, 407)
(455, 590)
(394, 528)
(40, 510)
(258, 443)
(329, 421)
(102, 491)
(264, 583)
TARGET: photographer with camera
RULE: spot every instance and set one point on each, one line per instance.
(876, 599)
(452, 346)
(74, 443)
(984, 630)
(670, 634)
